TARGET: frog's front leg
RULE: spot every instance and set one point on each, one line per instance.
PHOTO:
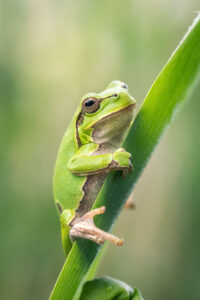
(85, 163)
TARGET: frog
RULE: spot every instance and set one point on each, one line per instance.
(90, 149)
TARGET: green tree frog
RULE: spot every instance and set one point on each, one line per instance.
(90, 149)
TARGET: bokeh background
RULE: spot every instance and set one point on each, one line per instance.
(51, 53)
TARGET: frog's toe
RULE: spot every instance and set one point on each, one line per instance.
(124, 173)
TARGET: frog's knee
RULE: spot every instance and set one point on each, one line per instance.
(66, 216)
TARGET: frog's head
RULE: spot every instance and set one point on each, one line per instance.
(105, 117)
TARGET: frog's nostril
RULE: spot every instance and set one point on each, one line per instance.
(124, 86)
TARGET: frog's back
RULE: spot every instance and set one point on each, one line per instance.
(67, 187)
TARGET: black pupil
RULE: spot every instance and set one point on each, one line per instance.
(89, 103)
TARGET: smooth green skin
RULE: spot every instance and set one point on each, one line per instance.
(75, 162)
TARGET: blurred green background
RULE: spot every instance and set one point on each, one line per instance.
(51, 53)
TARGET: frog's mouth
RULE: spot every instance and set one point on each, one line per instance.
(115, 113)
(111, 96)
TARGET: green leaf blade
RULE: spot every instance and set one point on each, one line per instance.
(107, 288)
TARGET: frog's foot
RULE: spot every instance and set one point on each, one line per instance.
(122, 161)
(85, 228)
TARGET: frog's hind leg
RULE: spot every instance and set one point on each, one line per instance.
(84, 227)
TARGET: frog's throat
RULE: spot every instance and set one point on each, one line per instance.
(113, 128)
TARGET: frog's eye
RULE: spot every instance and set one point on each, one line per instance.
(124, 86)
(90, 105)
